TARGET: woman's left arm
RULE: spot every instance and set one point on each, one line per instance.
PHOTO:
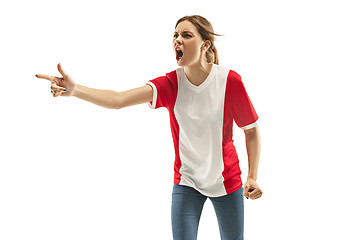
(253, 146)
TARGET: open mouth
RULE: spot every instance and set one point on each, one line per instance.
(179, 54)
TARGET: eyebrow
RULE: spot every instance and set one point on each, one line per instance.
(186, 31)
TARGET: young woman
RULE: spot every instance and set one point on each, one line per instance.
(203, 100)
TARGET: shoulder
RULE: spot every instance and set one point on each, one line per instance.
(235, 84)
(167, 78)
(230, 74)
(166, 82)
(172, 75)
(234, 76)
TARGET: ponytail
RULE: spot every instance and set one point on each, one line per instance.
(212, 55)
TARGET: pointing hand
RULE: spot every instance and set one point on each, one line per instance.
(63, 86)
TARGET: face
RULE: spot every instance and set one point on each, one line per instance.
(188, 44)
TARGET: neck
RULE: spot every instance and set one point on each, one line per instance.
(197, 73)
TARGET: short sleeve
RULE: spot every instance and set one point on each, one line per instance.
(163, 91)
(243, 111)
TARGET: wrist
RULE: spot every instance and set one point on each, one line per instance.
(76, 90)
(251, 177)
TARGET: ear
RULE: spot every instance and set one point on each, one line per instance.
(206, 45)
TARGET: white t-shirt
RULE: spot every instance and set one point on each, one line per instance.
(201, 121)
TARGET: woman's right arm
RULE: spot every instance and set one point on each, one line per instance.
(112, 99)
(66, 86)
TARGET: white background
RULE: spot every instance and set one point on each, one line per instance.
(73, 170)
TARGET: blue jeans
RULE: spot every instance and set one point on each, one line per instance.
(186, 208)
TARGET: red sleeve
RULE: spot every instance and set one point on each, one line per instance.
(243, 111)
(164, 91)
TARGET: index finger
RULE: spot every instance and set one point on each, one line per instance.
(50, 78)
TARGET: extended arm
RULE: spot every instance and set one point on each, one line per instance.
(66, 86)
(112, 99)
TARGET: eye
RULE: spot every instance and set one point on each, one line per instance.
(187, 35)
(176, 35)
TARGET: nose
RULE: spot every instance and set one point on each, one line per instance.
(178, 41)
